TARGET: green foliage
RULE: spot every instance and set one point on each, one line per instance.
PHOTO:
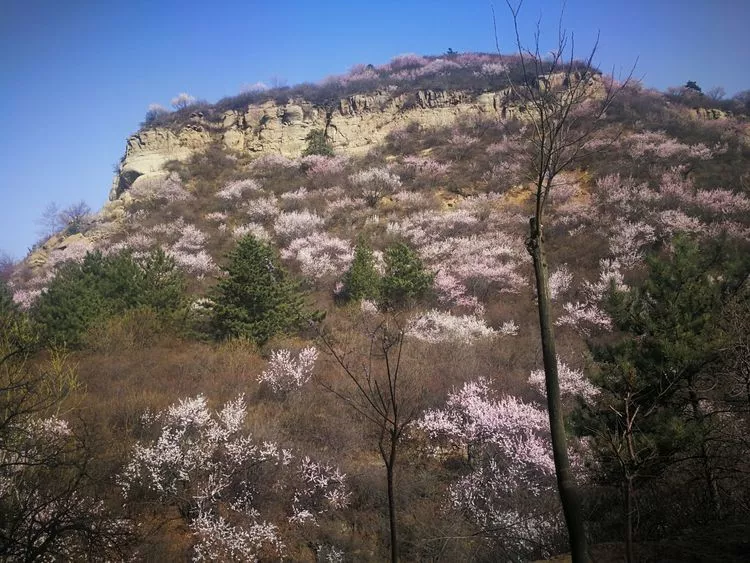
(256, 299)
(7, 306)
(362, 280)
(82, 295)
(692, 85)
(317, 143)
(405, 280)
(676, 314)
(672, 336)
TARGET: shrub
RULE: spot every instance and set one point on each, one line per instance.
(285, 373)
(317, 143)
(255, 299)
(225, 483)
(406, 279)
(49, 506)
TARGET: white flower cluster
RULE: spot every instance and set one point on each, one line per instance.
(286, 373)
(436, 326)
(202, 461)
(320, 255)
(297, 224)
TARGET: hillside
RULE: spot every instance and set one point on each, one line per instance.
(432, 154)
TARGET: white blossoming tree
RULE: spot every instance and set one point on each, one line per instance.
(221, 480)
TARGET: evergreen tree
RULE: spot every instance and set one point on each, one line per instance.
(362, 280)
(317, 143)
(405, 280)
(81, 295)
(651, 411)
(256, 299)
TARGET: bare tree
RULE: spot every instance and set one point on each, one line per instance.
(378, 387)
(71, 219)
(563, 100)
(7, 264)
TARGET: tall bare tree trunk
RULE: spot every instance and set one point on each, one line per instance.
(569, 497)
(392, 506)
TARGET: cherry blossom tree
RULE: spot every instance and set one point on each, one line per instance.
(508, 492)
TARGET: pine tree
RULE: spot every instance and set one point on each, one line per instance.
(317, 143)
(405, 280)
(362, 280)
(651, 410)
(101, 287)
(255, 299)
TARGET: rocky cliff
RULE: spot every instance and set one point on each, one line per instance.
(356, 123)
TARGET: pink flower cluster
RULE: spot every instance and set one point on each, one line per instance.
(584, 317)
(479, 262)
(158, 188)
(318, 165)
(320, 255)
(274, 160)
(375, 183)
(507, 447)
(426, 166)
(658, 144)
(573, 382)
(262, 208)
(237, 188)
(296, 224)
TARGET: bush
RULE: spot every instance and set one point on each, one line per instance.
(405, 280)
(256, 299)
(101, 287)
(317, 143)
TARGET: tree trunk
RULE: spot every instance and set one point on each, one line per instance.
(569, 497)
(389, 466)
(708, 473)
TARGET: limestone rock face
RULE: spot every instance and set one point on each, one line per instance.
(710, 113)
(357, 122)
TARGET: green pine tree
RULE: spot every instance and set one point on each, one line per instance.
(256, 299)
(406, 280)
(672, 334)
(317, 143)
(100, 287)
(362, 280)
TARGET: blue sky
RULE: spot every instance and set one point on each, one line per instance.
(77, 76)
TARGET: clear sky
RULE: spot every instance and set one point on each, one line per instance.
(76, 76)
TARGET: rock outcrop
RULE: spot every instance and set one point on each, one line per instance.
(356, 123)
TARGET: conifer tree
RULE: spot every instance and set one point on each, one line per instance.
(256, 299)
(103, 286)
(362, 280)
(406, 279)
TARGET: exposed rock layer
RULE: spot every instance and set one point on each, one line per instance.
(357, 122)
